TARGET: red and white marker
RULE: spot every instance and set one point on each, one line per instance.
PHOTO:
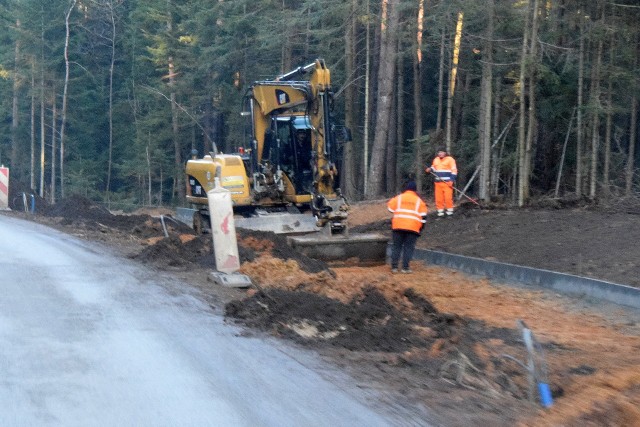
(4, 187)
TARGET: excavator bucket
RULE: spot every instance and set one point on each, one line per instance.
(365, 249)
(287, 223)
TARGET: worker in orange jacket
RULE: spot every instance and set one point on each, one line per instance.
(409, 213)
(445, 172)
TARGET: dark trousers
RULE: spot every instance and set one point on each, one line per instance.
(404, 242)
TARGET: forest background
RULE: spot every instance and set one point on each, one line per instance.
(108, 98)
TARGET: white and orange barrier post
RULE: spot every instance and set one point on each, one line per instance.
(4, 187)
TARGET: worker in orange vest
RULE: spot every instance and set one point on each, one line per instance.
(445, 173)
(409, 213)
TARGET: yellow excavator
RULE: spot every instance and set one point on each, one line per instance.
(285, 181)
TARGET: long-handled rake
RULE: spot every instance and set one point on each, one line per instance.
(474, 201)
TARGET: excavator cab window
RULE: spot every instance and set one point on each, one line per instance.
(296, 156)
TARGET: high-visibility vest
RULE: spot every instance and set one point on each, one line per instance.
(409, 211)
(445, 168)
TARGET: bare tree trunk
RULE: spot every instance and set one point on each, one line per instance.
(460, 112)
(399, 124)
(42, 111)
(633, 135)
(65, 92)
(161, 190)
(148, 169)
(579, 112)
(15, 118)
(386, 77)
(533, 121)
(606, 161)
(111, 72)
(307, 40)
(367, 84)
(42, 137)
(138, 137)
(440, 82)
(178, 179)
(396, 114)
(484, 119)
(32, 169)
(596, 107)
(54, 117)
(608, 126)
(417, 97)
(495, 154)
(522, 105)
(285, 54)
(348, 175)
(562, 156)
(389, 184)
(452, 77)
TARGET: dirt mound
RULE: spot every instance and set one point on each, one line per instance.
(366, 323)
(78, 211)
(415, 336)
(277, 246)
(78, 207)
(176, 251)
(186, 250)
(181, 250)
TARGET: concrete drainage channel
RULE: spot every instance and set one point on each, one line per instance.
(559, 282)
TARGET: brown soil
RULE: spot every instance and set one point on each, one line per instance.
(435, 338)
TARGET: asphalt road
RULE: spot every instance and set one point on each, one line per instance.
(88, 338)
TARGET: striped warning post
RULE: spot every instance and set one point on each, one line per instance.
(4, 187)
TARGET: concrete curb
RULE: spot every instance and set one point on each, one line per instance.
(560, 282)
